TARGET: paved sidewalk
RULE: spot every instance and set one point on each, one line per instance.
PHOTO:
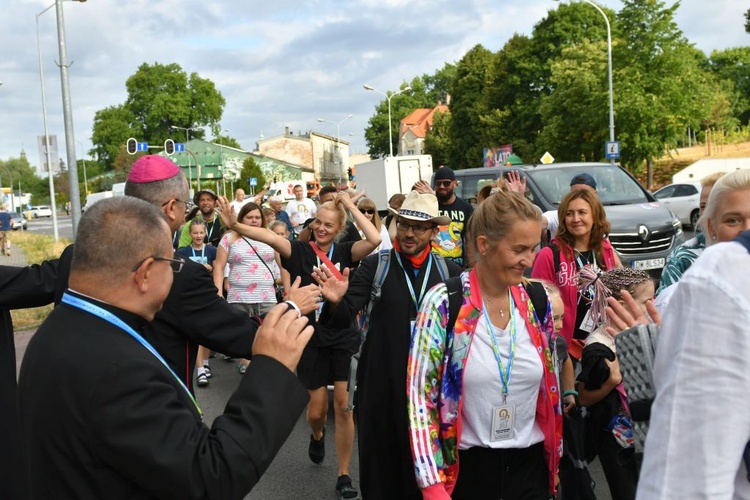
(17, 258)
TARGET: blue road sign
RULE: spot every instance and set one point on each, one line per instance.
(179, 147)
(142, 146)
(253, 181)
(612, 150)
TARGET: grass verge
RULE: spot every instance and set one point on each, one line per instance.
(38, 248)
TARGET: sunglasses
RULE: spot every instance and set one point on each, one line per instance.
(368, 211)
(443, 183)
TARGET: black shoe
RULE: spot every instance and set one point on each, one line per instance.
(344, 488)
(317, 449)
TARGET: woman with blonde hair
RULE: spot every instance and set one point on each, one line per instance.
(484, 392)
(369, 210)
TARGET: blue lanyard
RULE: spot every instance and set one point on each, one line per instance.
(330, 255)
(414, 298)
(580, 262)
(203, 249)
(111, 318)
(505, 372)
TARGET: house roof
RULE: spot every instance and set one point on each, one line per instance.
(420, 120)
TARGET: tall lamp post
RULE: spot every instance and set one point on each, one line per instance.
(46, 131)
(70, 146)
(221, 151)
(187, 139)
(338, 142)
(609, 74)
(388, 97)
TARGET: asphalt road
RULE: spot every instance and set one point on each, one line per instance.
(46, 226)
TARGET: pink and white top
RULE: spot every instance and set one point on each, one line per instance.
(250, 282)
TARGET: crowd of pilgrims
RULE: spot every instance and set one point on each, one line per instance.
(509, 391)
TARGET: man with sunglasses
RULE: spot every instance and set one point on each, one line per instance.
(121, 424)
(449, 241)
(385, 462)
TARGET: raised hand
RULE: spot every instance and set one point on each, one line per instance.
(423, 187)
(515, 182)
(226, 212)
(623, 317)
(332, 288)
(306, 297)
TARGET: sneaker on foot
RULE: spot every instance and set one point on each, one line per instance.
(317, 449)
(345, 489)
(202, 380)
(207, 370)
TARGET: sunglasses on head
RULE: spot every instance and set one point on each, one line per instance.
(368, 211)
(443, 183)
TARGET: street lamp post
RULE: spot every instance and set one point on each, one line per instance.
(609, 74)
(187, 140)
(338, 142)
(388, 97)
(221, 151)
(70, 147)
(46, 131)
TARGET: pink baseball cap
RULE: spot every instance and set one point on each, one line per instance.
(152, 168)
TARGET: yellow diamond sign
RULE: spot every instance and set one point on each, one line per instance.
(547, 158)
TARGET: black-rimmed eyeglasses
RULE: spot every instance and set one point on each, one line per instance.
(188, 204)
(418, 229)
(175, 264)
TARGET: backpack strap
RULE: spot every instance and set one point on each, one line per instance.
(538, 297)
(455, 289)
(744, 239)
(442, 266)
(555, 256)
(376, 292)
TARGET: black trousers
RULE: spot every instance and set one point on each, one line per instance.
(514, 474)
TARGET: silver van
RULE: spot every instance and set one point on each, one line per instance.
(644, 231)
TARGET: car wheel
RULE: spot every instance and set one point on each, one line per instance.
(694, 216)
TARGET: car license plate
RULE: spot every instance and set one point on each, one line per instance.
(648, 264)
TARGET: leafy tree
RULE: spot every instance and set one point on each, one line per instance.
(226, 141)
(113, 126)
(159, 96)
(660, 75)
(438, 141)
(747, 21)
(732, 67)
(468, 105)
(250, 168)
(426, 92)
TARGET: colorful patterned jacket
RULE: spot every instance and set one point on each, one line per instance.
(436, 366)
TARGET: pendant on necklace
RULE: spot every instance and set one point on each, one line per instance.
(502, 313)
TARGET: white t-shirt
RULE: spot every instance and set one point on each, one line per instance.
(300, 211)
(553, 222)
(239, 204)
(483, 390)
(700, 420)
(385, 243)
(250, 282)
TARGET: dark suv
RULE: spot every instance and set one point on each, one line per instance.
(643, 230)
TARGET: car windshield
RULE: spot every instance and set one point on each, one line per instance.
(614, 186)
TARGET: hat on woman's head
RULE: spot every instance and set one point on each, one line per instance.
(421, 207)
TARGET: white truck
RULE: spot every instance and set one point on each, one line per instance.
(94, 197)
(385, 177)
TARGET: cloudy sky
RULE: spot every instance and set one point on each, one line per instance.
(278, 63)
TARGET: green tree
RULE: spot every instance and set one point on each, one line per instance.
(250, 168)
(659, 79)
(226, 141)
(426, 92)
(747, 21)
(438, 141)
(159, 97)
(732, 67)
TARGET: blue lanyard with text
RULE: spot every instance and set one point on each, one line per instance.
(504, 372)
(111, 318)
(203, 249)
(414, 298)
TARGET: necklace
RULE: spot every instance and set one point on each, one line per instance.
(502, 311)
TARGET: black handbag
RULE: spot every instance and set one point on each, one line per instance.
(278, 289)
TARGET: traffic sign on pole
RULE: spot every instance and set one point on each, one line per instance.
(143, 146)
(253, 181)
(612, 150)
(179, 147)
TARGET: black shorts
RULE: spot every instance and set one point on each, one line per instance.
(322, 366)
